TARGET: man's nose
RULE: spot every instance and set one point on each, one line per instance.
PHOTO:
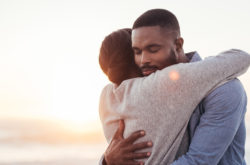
(145, 58)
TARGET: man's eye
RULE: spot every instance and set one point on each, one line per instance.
(154, 49)
(137, 52)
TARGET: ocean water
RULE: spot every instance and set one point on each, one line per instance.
(29, 144)
(44, 154)
(36, 142)
(40, 154)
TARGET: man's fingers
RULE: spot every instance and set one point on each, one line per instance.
(121, 127)
(134, 136)
(120, 130)
(140, 146)
(138, 155)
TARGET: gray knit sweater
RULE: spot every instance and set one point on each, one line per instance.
(162, 103)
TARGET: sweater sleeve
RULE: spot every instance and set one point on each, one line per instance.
(187, 84)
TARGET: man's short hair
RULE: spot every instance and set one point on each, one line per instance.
(158, 17)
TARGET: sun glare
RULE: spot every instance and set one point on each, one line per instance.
(174, 75)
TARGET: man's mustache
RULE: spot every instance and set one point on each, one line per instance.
(147, 67)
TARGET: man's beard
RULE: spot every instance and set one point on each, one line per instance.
(171, 60)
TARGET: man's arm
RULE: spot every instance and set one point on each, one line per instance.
(122, 151)
(224, 111)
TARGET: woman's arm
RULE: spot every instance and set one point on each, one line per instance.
(187, 84)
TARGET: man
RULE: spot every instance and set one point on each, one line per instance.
(216, 128)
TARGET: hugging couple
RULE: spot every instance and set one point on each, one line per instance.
(164, 106)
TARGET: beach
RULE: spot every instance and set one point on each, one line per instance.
(35, 143)
(39, 154)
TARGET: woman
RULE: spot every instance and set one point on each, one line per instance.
(166, 98)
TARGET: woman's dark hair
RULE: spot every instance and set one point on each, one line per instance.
(116, 56)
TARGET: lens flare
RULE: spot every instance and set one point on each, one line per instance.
(174, 75)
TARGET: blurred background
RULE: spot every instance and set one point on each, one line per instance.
(50, 79)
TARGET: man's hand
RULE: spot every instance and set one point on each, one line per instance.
(122, 151)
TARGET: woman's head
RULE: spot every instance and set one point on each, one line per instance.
(116, 57)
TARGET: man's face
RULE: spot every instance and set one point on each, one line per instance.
(154, 48)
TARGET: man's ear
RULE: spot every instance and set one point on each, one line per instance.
(179, 44)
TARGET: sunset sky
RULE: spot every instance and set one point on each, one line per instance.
(49, 49)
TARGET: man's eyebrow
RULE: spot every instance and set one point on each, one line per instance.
(153, 45)
(146, 47)
(135, 48)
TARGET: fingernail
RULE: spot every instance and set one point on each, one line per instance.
(148, 154)
(142, 132)
(150, 143)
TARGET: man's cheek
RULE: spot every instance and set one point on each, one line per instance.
(137, 60)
